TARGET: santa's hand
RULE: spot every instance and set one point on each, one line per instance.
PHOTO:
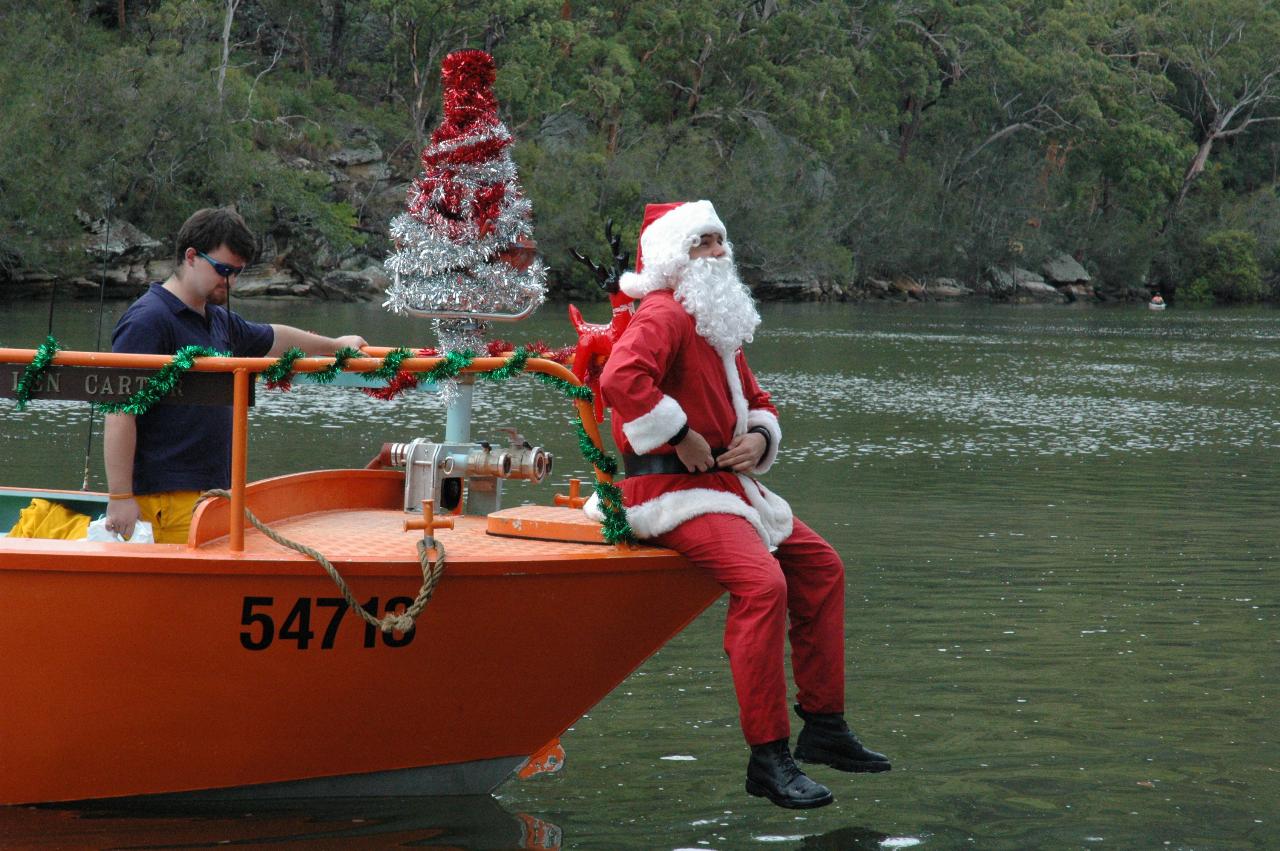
(744, 453)
(695, 453)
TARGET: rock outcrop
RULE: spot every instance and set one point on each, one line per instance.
(1071, 279)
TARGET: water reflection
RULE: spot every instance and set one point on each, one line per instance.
(479, 823)
(856, 839)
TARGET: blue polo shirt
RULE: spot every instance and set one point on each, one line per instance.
(184, 447)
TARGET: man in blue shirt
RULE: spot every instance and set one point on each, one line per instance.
(158, 463)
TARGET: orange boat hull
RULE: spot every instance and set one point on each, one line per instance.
(138, 670)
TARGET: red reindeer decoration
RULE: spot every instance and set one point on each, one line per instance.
(595, 341)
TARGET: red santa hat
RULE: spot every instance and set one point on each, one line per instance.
(666, 235)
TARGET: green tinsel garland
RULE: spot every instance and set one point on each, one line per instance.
(616, 529)
(579, 392)
(593, 454)
(391, 364)
(280, 373)
(162, 383)
(35, 370)
(513, 365)
(451, 366)
(340, 358)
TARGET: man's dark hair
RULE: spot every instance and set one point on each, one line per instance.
(214, 226)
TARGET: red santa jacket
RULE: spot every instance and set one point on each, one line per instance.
(663, 375)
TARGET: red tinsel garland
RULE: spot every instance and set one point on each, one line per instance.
(537, 349)
(466, 151)
(403, 381)
(468, 77)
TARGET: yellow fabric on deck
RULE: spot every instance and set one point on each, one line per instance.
(45, 519)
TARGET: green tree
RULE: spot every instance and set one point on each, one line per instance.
(1224, 58)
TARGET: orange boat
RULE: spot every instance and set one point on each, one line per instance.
(233, 664)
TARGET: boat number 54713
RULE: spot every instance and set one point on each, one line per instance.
(259, 616)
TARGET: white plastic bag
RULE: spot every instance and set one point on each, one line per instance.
(142, 533)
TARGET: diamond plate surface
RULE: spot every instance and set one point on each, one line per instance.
(379, 536)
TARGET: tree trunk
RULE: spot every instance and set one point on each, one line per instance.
(1193, 171)
(337, 32)
(232, 5)
(907, 132)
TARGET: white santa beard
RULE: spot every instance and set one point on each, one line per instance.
(712, 293)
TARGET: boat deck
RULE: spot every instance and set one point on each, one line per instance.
(378, 535)
(355, 519)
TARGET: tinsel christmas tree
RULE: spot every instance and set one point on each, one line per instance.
(465, 242)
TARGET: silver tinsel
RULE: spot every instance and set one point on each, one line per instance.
(435, 271)
(461, 335)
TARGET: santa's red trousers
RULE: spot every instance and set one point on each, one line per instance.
(803, 578)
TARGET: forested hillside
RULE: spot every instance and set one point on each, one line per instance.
(842, 140)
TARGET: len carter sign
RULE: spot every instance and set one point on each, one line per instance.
(111, 384)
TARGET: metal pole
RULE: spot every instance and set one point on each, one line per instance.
(457, 424)
(239, 457)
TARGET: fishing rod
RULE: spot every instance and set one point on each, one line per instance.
(53, 297)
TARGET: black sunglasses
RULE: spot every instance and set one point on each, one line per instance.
(221, 268)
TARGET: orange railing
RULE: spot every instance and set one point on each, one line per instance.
(243, 368)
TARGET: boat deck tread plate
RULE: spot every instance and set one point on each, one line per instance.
(378, 535)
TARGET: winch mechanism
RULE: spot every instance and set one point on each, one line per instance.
(448, 473)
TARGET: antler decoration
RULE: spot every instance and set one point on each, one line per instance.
(595, 342)
(607, 279)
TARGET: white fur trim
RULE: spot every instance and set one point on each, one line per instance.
(592, 509)
(767, 512)
(730, 362)
(664, 513)
(649, 431)
(639, 285)
(775, 513)
(665, 244)
(767, 421)
(671, 236)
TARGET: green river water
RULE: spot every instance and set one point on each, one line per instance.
(1060, 528)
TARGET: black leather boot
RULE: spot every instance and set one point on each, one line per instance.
(827, 739)
(773, 774)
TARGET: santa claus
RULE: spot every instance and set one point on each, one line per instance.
(695, 428)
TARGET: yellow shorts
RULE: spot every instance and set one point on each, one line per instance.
(169, 514)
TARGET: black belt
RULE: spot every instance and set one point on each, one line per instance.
(666, 464)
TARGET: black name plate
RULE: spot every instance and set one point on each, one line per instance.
(113, 384)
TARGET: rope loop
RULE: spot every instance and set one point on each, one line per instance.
(432, 571)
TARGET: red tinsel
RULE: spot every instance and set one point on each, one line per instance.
(403, 381)
(470, 134)
(466, 152)
(487, 206)
(468, 77)
(537, 349)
